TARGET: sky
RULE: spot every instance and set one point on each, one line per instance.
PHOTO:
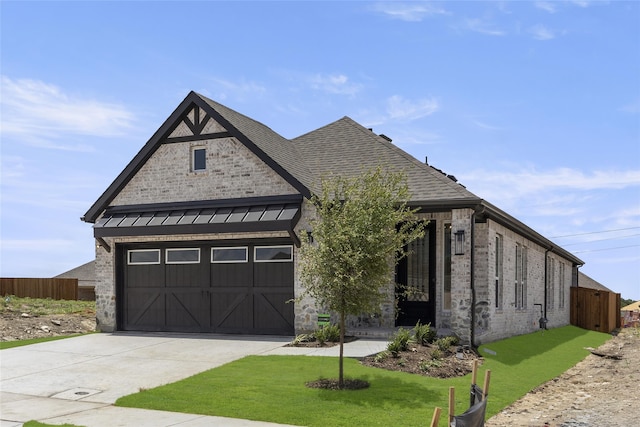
(533, 106)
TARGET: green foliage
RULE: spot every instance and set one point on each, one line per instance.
(327, 333)
(445, 343)
(302, 338)
(383, 355)
(427, 365)
(624, 302)
(400, 341)
(362, 226)
(424, 334)
(436, 353)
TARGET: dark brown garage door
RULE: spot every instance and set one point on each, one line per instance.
(207, 287)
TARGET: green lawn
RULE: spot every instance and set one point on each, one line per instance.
(19, 343)
(271, 388)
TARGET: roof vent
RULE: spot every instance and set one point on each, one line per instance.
(385, 137)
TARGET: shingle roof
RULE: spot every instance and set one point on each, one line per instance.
(283, 151)
(634, 306)
(347, 148)
(585, 281)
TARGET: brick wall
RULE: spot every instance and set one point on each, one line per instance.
(493, 323)
(232, 171)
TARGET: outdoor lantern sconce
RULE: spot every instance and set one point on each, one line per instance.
(458, 243)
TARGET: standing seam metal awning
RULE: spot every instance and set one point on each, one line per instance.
(241, 215)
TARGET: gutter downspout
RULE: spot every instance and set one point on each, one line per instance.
(472, 281)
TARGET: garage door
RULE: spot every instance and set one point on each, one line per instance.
(233, 287)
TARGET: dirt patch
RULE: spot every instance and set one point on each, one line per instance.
(598, 391)
(20, 325)
(334, 384)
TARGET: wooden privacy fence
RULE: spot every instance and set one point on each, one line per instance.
(40, 288)
(594, 309)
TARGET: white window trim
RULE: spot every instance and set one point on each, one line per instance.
(130, 251)
(246, 255)
(166, 254)
(255, 251)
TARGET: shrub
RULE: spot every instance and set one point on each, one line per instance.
(400, 341)
(426, 365)
(445, 343)
(380, 357)
(436, 353)
(302, 338)
(327, 333)
(424, 333)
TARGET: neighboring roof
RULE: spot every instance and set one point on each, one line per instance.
(585, 281)
(84, 272)
(634, 306)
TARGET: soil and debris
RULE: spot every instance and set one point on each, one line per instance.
(25, 323)
(600, 391)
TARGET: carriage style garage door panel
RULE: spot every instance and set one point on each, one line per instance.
(207, 287)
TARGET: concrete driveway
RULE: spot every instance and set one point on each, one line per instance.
(76, 380)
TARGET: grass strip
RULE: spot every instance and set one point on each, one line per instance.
(272, 388)
(19, 343)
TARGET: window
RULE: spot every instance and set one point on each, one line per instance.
(199, 156)
(561, 289)
(498, 271)
(229, 255)
(418, 269)
(521, 277)
(446, 294)
(273, 253)
(183, 256)
(143, 256)
(551, 285)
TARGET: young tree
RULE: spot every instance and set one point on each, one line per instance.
(362, 227)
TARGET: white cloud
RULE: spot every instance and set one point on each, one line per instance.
(334, 83)
(485, 125)
(399, 108)
(39, 112)
(632, 107)
(483, 27)
(546, 6)
(581, 3)
(410, 12)
(540, 32)
(238, 90)
(528, 181)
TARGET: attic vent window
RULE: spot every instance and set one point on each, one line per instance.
(199, 159)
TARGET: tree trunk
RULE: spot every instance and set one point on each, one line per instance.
(341, 362)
